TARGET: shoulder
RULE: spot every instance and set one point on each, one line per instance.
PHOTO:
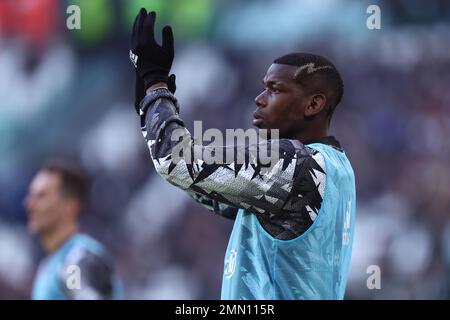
(86, 241)
(89, 265)
(87, 252)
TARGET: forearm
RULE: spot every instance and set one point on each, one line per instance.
(248, 185)
(286, 198)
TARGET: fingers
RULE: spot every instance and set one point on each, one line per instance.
(137, 26)
(140, 18)
(149, 24)
(145, 24)
(167, 39)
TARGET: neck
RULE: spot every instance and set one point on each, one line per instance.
(312, 135)
(52, 240)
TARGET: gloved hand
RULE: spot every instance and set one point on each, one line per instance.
(152, 61)
(140, 89)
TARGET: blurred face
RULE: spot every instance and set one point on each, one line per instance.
(45, 205)
(282, 103)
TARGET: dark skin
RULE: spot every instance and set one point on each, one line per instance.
(286, 106)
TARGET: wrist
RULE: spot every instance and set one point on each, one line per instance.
(158, 85)
(153, 77)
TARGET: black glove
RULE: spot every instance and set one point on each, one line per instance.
(140, 89)
(152, 61)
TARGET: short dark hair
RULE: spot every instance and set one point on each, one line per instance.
(316, 73)
(73, 181)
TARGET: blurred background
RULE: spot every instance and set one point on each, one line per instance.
(68, 94)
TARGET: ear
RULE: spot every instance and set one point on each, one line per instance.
(316, 104)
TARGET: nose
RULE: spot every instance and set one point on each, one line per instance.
(260, 100)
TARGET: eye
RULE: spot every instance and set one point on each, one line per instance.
(276, 90)
(271, 88)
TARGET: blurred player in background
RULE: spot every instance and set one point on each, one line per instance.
(293, 229)
(76, 266)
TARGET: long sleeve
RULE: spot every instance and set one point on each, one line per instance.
(215, 206)
(290, 191)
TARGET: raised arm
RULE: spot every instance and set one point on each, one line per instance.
(286, 194)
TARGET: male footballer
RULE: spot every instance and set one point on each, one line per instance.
(76, 265)
(293, 220)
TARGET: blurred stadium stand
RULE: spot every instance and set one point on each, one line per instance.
(69, 94)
